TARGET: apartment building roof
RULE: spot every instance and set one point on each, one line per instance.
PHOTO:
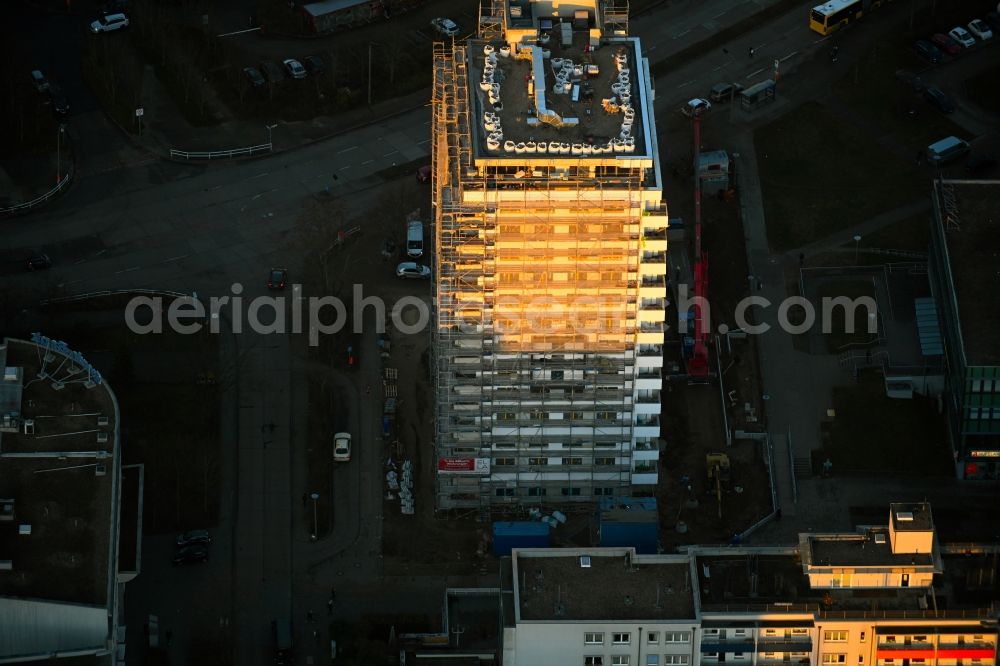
(869, 549)
(58, 490)
(551, 94)
(601, 584)
(973, 245)
(750, 578)
(911, 517)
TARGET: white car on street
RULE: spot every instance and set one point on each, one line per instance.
(696, 107)
(295, 68)
(962, 36)
(445, 26)
(980, 29)
(342, 447)
(413, 270)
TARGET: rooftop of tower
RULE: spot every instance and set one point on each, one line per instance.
(561, 90)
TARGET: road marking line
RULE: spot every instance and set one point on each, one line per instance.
(347, 150)
(367, 162)
(788, 56)
(652, 48)
(127, 270)
(420, 143)
(686, 83)
(177, 258)
(753, 74)
(214, 188)
(718, 68)
(721, 14)
(344, 168)
(392, 153)
(260, 175)
(681, 34)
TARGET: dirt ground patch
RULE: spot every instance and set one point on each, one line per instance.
(693, 418)
(693, 413)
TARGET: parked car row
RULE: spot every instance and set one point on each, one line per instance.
(957, 39)
(290, 68)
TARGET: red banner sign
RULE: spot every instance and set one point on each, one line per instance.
(463, 465)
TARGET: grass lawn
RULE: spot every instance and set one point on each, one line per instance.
(814, 185)
(838, 338)
(873, 433)
(983, 89)
(911, 235)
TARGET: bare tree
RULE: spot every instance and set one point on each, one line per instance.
(395, 52)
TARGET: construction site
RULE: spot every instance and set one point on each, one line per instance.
(550, 262)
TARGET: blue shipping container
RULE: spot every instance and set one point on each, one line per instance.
(635, 527)
(627, 503)
(521, 534)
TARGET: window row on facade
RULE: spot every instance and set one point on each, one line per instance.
(626, 660)
(625, 638)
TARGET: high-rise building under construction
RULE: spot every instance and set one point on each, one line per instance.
(550, 259)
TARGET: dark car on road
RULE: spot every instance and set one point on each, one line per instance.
(314, 64)
(38, 262)
(939, 100)
(927, 51)
(276, 278)
(272, 72)
(191, 555)
(723, 92)
(194, 537)
(946, 43)
(254, 77)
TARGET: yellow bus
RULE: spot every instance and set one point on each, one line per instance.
(835, 14)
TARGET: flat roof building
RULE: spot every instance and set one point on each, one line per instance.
(550, 260)
(750, 606)
(965, 247)
(60, 498)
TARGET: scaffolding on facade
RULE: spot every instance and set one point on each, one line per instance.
(615, 16)
(491, 19)
(518, 255)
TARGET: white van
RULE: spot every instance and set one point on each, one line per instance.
(415, 239)
(947, 150)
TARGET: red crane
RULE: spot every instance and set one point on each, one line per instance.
(698, 363)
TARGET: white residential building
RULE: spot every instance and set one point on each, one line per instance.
(550, 259)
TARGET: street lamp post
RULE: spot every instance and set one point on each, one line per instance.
(314, 496)
(857, 247)
(370, 45)
(62, 128)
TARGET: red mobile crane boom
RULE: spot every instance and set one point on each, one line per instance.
(698, 363)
